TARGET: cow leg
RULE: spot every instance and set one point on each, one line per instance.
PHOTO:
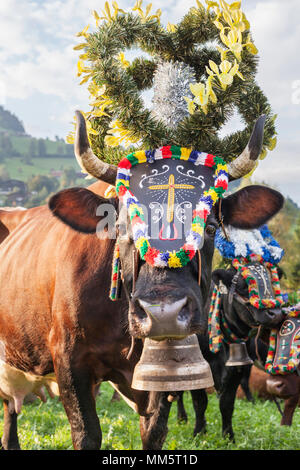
(290, 405)
(200, 401)
(181, 413)
(78, 398)
(245, 383)
(9, 440)
(230, 384)
(153, 426)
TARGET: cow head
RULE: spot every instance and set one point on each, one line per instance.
(237, 308)
(166, 302)
(284, 386)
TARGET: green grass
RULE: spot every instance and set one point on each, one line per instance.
(22, 144)
(17, 169)
(45, 426)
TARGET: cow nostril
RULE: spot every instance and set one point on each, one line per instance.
(183, 315)
(139, 311)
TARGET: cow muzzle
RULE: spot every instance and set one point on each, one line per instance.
(268, 317)
(167, 319)
(276, 386)
(283, 386)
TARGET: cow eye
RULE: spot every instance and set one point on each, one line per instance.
(211, 230)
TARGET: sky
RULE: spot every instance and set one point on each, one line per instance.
(39, 83)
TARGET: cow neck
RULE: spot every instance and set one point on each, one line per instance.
(232, 327)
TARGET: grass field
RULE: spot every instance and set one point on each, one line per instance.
(45, 426)
(22, 144)
(18, 169)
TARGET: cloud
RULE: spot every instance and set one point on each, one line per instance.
(276, 32)
(38, 66)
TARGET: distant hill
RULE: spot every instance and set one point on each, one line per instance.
(10, 122)
(15, 143)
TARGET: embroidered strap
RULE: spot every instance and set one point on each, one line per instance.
(241, 265)
(115, 277)
(217, 325)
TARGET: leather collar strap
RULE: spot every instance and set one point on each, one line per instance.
(232, 290)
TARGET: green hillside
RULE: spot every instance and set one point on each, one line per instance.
(18, 169)
(44, 165)
(14, 142)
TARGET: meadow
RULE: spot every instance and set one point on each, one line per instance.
(44, 426)
(18, 169)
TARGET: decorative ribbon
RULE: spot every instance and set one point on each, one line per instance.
(115, 277)
(217, 325)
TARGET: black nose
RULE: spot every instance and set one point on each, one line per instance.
(269, 317)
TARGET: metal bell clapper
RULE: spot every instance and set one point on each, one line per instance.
(172, 365)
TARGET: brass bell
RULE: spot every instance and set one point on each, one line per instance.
(172, 365)
(238, 355)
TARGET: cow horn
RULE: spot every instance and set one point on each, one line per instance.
(86, 158)
(243, 164)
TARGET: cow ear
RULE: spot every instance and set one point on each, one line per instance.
(224, 275)
(251, 206)
(280, 272)
(77, 207)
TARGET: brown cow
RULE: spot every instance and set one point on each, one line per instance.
(11, 217)
(269, 387)
(257, 384)
(286, 387)
(57, 322)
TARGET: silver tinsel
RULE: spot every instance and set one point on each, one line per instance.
(171, 84)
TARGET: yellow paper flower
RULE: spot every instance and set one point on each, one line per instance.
(108, 15)
(146, 16)
(171, 28)
(83, 32)
(123, 61)
(191, 105)
(117, 135)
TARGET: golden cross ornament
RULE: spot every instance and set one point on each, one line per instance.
(171, 186)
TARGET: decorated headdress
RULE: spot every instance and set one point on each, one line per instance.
(255, 255)
(284, 344)
(196, 89)
(243, 243)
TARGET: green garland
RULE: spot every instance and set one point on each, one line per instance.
(123, 84)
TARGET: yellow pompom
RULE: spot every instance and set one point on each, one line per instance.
(173, 261)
